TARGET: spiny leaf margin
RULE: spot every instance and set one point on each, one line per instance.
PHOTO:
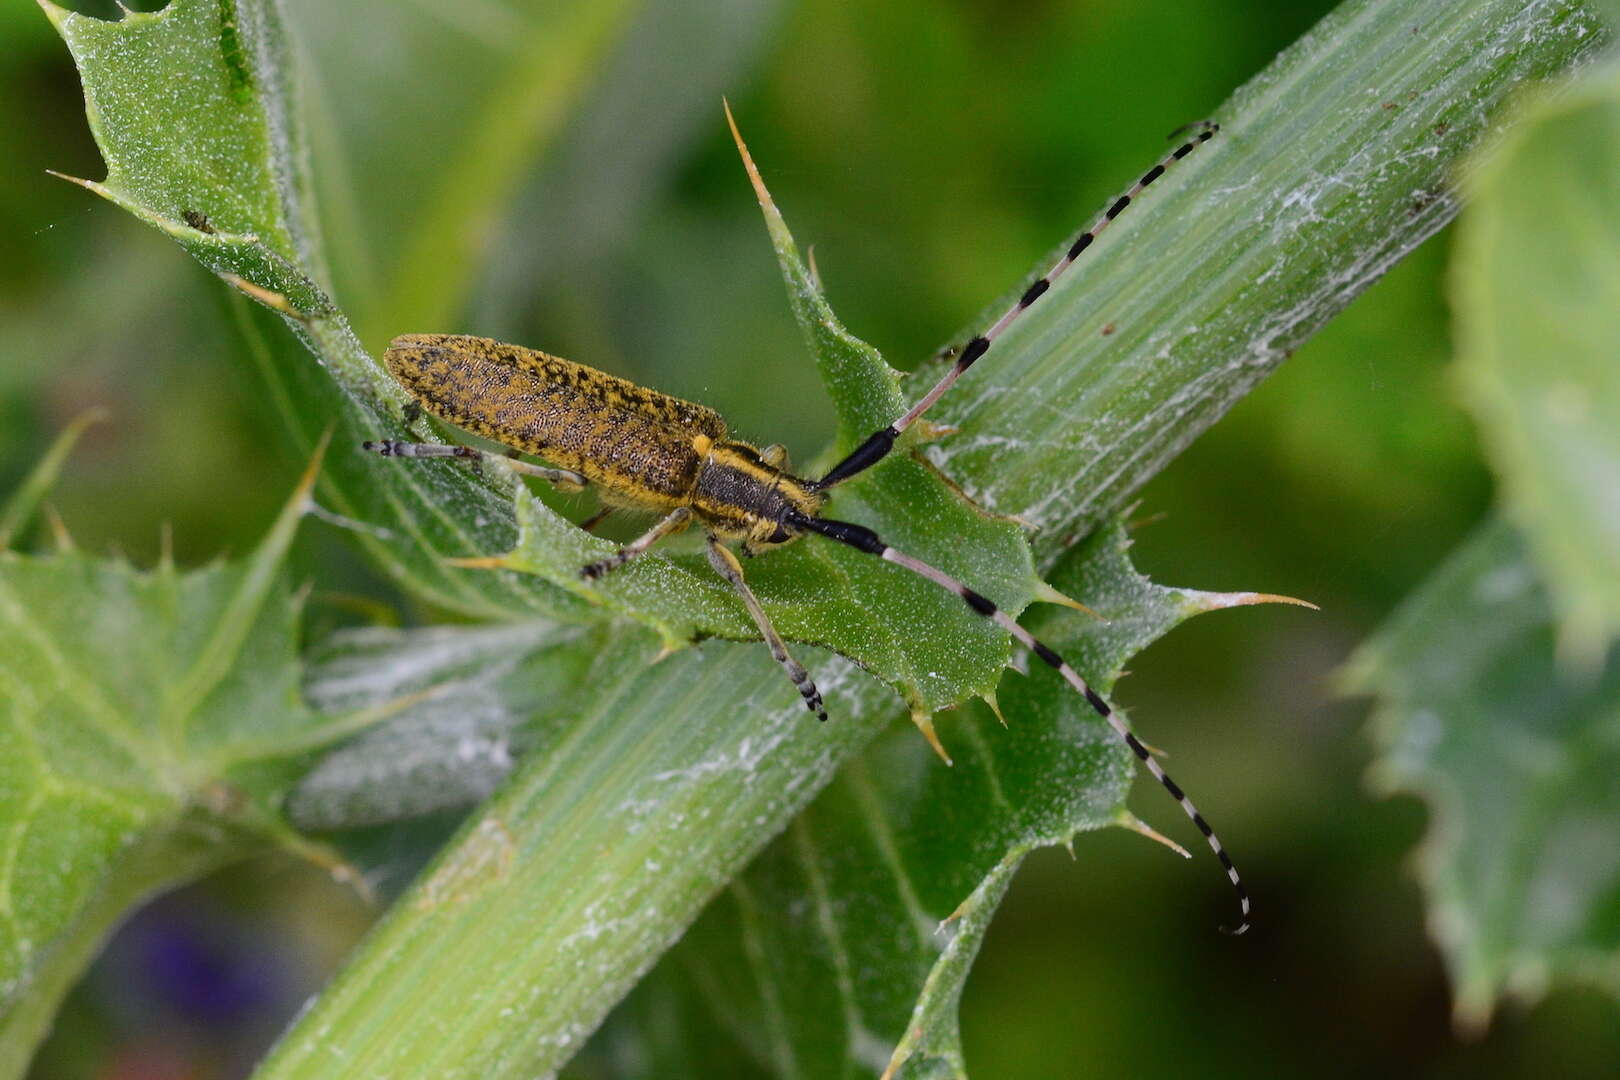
(1515, 757)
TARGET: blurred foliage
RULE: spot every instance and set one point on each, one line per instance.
(930, 152)
(1537, 291)
(1517, 758)
(1509, 740)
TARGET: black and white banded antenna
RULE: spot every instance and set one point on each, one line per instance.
(864, 539)
(878, 445)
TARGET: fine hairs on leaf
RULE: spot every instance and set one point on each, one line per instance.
(145, 714)
(665, 779)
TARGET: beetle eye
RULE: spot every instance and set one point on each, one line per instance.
(780, 536)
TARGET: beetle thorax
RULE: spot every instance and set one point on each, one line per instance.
(742, 496)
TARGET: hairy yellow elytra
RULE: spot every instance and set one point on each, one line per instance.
(639, 448)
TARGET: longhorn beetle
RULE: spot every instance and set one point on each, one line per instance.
(647, 451)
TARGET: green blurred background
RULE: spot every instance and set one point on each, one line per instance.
(930, 152)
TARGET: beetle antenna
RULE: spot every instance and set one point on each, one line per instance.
(878, 445)
(864, 539)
